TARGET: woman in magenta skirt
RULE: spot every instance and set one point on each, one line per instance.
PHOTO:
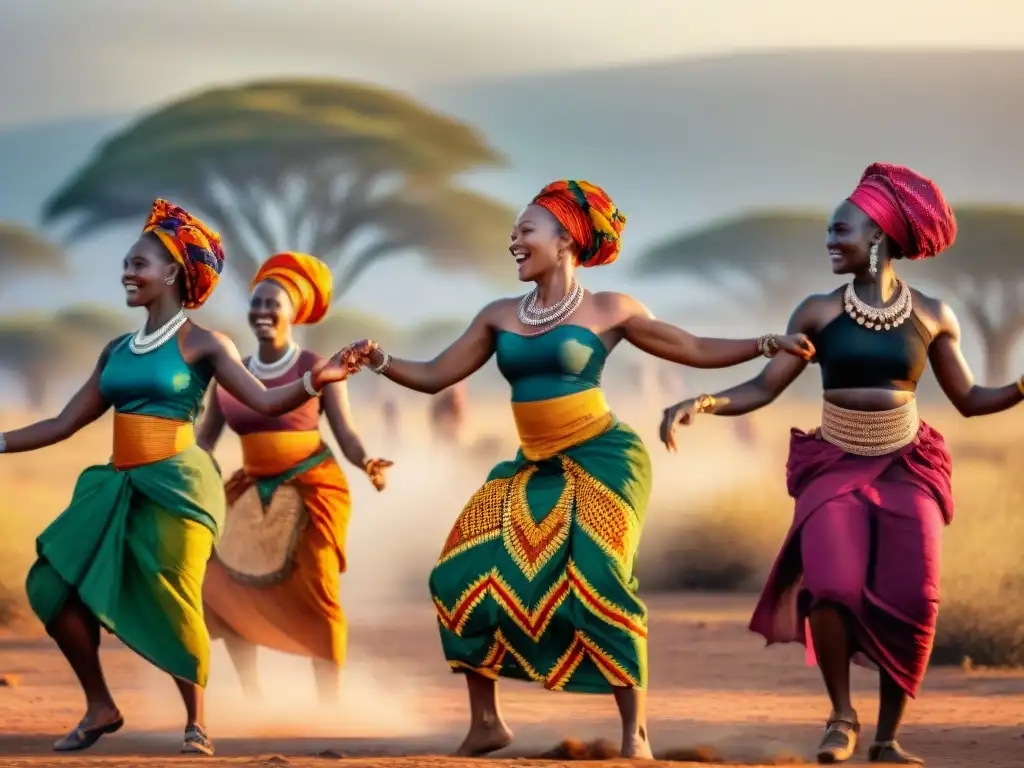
(859, 568)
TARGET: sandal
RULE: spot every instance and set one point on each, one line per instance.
(840, 739)
(196, 742)
(891, 752)
(81, 737)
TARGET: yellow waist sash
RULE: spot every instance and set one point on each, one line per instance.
(141, 440)
(548, 427)
(266, 454)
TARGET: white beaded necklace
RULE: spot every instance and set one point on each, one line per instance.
(528, 313)
(880, 318)
(277, 368)
(143, 342)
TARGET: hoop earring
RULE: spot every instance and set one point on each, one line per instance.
(873, 259)
(169, 280)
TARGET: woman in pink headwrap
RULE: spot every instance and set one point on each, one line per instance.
(859, 568)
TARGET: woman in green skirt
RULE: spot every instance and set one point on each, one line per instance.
(535, 581)
(130, 551)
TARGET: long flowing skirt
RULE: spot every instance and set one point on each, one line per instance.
(866, 536)
(299, 613)
(536, 580)
(133, 546)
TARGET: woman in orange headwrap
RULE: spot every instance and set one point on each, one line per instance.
(536, 581)
(129, 553)
(274, 577)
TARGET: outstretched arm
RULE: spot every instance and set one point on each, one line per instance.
(463, 358)
(339, 416)
(956, 379)
(220, 352)
(82, 409)
(212, 424)
(664, 340)
(748, 396)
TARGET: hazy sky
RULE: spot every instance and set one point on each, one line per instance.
(69, 57)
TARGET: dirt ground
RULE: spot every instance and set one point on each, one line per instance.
(713, 689)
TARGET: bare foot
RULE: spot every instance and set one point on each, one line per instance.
(637, 747)
(483, 739)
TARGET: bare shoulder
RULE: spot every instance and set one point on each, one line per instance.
(497, 312)
(934, 313)
(205, 341)
(816, 310)
(619, 305)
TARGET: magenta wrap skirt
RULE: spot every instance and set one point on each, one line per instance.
(866, 535)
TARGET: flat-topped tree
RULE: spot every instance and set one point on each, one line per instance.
(349, 172)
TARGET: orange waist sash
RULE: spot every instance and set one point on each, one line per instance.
(141, 439)
(266, 454)
(548, 427)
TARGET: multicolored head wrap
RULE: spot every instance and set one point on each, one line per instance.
(589, 215)
(193, 245)
(307, 281)
(908, 207)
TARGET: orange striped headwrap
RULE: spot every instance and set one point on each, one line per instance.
(192, 244)
(307, 281)
(589, 215)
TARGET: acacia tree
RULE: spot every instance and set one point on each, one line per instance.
(783, 253)
(349, 172)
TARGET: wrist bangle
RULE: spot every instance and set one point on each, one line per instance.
(768, 344)
(704, 404)
(384, 364)
(3, 440)
(1020, 388)
(307, 383)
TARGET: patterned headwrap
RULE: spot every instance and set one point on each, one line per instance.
(589, 215)
(193, 245)
(908, 207)
(307, 281)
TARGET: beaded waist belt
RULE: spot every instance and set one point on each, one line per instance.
(870, 433)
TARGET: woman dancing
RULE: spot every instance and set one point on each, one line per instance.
(535, 581)
(129, 552)
(872, 485)
(273, 580)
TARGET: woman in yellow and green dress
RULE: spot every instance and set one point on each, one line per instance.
(274, 577)
(535, 581)
(129, 553)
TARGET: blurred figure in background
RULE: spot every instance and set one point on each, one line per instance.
(535, 581)
(130, 551)
(448, 414)
(860, 566)
(274, 578)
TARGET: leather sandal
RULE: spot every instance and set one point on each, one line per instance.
(840, 739)
(81, 737)
(891, 752)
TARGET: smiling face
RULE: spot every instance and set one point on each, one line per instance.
(146, 270)
(851, 232)
(270, 312)
(539, 243)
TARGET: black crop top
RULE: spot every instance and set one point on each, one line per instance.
(852, 356)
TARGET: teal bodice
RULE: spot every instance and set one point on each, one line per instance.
(565, 360)
(158, 383)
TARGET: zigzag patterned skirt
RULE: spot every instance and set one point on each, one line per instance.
(535, 581)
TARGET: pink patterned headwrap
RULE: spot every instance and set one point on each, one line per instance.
(908, 207)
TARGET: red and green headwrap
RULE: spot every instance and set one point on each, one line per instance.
(589, 215)
(192, 244)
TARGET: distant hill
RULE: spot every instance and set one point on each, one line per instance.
(678, 143)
